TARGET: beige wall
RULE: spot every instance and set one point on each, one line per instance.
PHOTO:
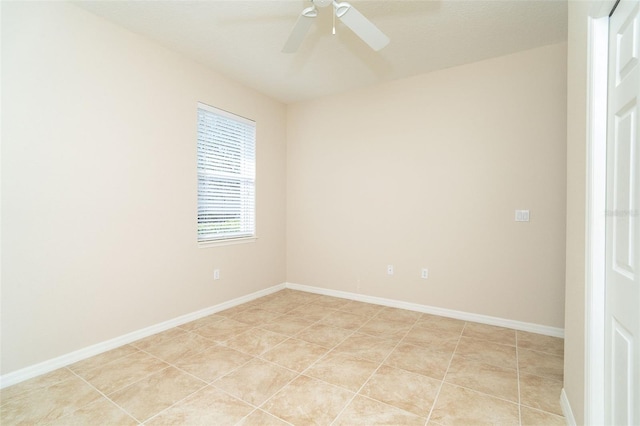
(427, 171)
(99, 185)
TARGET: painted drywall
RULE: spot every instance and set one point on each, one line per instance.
(99, 184)
(427, 172)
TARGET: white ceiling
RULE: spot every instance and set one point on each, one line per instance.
(243, 39)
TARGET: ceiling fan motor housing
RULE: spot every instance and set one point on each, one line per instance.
(358, 23)
(322, 3)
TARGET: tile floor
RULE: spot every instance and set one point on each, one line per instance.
(301, 359)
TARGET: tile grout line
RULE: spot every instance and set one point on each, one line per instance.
(377, 368)
(22, 394)
(298, 374)
(211, 384)
(104, 396)
(316, 361)
(435, 400)
(332, 350)
(107, 397)
(355, 330)
(170, 365)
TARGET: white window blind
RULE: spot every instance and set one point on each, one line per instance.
(226, 175)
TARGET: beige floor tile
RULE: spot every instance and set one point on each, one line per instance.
(487, 352)
(260, 302)
(228, 313)
(101, 412)
(149, 396)
(441, 323)
(297, 296)
(367, 347)
(255, 341)
(288, 325)
(411, 392)
(385, 329)
(280, 305)
(540, 364)
(284, 301)
(490, 379)
(531, 417)
(255, 381)
(257, 303)
(324, 335)
(421, 360)
(441, 340)
(222, 330)
(540, 392)
(400, 315)
(345, 320)
(261, 418)
(179, 347)
(255, 316)
(295, 354)
(460, 406)
(48, 403)
(338, 344)
(158, 338)
(302, 297)
(307, 401)
(208, 406)
(504, 336)
(48, 379)
(102, 359)
(359, 308)
(213, 362)
(366, 412)
(312, 312)
(123, 372)
(540, 343)
(329, 301)
(343, 370)
(208, 320)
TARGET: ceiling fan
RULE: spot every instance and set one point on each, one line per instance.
(348, 14)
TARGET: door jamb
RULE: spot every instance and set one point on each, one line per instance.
(597, 89)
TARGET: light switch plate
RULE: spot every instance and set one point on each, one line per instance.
(522, 215)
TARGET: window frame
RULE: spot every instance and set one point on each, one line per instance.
(209, 240)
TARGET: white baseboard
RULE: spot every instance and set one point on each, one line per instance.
(466, 316)
(566, 409)
(70, 358)
(75, 356)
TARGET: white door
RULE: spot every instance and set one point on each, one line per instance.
(622, 311)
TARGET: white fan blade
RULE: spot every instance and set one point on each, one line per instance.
(300, 30)
(360, 25)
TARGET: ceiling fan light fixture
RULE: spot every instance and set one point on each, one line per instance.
(349, 15)
(310, 12)
(341, 8)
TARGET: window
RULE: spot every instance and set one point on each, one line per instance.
(226, 175)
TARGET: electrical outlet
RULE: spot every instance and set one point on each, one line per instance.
(424, 274)
(216, 274)
(389, 269)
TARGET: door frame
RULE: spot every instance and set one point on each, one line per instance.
(597, 72)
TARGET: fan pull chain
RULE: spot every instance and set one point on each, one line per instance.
(334, 18)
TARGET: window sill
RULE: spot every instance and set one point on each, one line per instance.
(228, 242)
